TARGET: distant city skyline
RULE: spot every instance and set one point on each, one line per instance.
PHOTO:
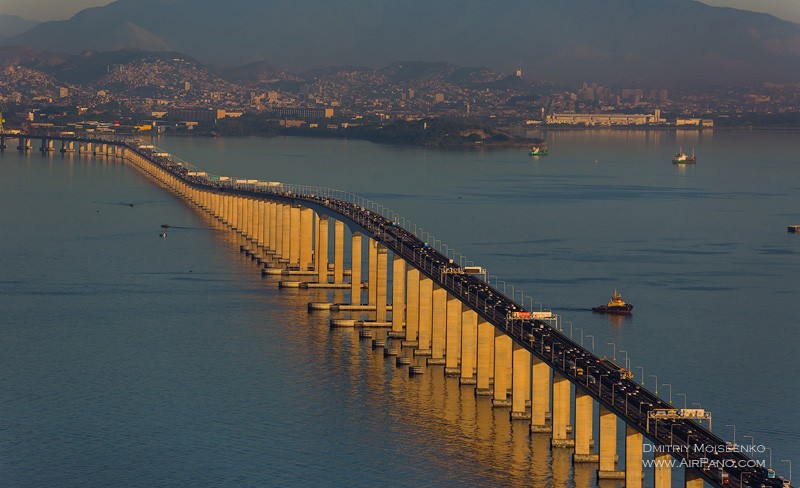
(43, 10)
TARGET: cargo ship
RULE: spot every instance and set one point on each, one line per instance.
(616, 306)
(682, 158)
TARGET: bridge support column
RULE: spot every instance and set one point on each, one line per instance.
(608, 446)
(225, 207)
(502, 368)
(584, 406)
(282, 230)
(295, 227)
(263, 224)
(398, 296)
(286, 236)
(485, 357)
(213, 207)
(338, 251)
(372, 272)
(230, 210)
(306, 238)
(412, 308)
(236, 213)
(662, 470)
(438, 325)
(469, 346)
(246, 217)
(381, 278)
(425, 316)
(633, 458)
(355, 278)
(520, 381)
(540, 396)
(562, 402)
(321, 256)
(693, 479)
(252, 220)
(274, 227)
(453, 340)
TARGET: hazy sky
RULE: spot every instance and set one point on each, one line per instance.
(62, 9)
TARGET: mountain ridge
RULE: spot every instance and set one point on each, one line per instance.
(604, 40)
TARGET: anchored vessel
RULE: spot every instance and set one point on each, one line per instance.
(538, 151)
(616, 306)
(682, 158)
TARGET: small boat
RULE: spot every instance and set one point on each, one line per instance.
(165, 226)
(538, 151)
(162, 234)
(616, 306)
(682, 158)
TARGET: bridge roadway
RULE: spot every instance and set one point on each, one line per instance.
(601, 379)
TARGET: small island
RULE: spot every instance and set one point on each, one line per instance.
(435, 132)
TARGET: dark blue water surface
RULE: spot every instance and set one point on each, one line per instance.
(127, 359)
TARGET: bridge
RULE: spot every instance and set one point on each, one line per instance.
(448, 314)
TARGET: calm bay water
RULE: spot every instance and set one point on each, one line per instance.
(127, 359)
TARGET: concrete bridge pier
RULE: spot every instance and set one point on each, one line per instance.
(469, 346)
(224, 208)
(485, 358)
(264, 226)
(608, 446)
(633, 458)
(562, 390)
(692, 479)
(412, 308)
(439, 325)
(67, 146)
(245, 207)
(338, 251)
(502, 368)
(306, 242)
(286, 232)
(47, 145)
(294, 236)
(3, 143)
(239, 214)
(662, 475)
(321, 254)
(455, 313)
(251, 224)
(398, 297)
(584, 407)
(382, 275)
(520, 382)
(274, 227)
(355, 278)
(540, 395)
(425, 316)
(24, 144)
(276, 236)
(372, 272)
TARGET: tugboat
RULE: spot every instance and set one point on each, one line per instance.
(616, 306)
(538, 151)
(682, 158)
